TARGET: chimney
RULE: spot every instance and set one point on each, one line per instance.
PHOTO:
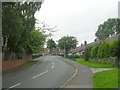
(85, 43)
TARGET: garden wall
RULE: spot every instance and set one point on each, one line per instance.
(111, 60)
(10, 64)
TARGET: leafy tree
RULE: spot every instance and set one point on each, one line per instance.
(37, 41)
(107, 29)
(67, 42)
(51, 44)
(118, 26)
(17, 22)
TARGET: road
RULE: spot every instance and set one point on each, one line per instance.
(49, 72)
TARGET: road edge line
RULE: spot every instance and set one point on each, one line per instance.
(76, 70)
(13, 86)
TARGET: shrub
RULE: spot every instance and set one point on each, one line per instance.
(87, 52)
(94, 51)
(36, 56)
(103, 50)
(113, 48)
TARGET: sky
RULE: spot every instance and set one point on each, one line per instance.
(78, 18)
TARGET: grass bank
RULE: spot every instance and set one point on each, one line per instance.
(106, 79)
(93, 64)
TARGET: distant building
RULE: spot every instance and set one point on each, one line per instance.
(80, 50)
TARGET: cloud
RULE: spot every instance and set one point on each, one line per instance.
(79, 18)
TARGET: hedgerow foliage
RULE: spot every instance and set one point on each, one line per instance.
(103, 50)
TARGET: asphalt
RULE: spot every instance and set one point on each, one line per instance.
(83, 77)
(51, 72)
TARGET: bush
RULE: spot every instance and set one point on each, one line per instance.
(36, 56)
(103, 50)
(113, 48)
(87, 52)
(94, 51)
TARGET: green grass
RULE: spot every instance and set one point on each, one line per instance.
(106, 79)
(20, 68)
(93, 64)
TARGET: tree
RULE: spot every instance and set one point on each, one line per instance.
(51, 45)
(107, 29)
(37, 41)
(17, 22)
(118, 26)
(67, 42)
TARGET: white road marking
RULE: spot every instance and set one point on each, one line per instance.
(13, 86)
(40, 74)
(52, 66)
(76, 70)
(43, 72)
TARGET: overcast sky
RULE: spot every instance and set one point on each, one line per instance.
(79, 18)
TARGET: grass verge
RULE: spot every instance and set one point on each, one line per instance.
(106, 79)
(94, 64)
(20, 68)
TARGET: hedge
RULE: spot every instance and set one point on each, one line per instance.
(103, 50)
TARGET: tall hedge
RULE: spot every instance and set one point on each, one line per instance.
(94, 51)
(87, 52)
(103, 50)
(113, 48)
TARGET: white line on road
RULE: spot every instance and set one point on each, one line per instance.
(76, 70)
(40, 74)
(43, 72)
(52, 66)
(13, 86)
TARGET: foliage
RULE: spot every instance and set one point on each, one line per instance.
(107, 29)
(51, 44)
(67, 42)
(17, 23)
(118, 26)
(94, 51)
(37, 41)
(34, 56)
(87, 52)
(113, 48)
(103, 50)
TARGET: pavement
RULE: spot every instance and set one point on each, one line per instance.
(51, 72)
(95, 70)
(83, 77)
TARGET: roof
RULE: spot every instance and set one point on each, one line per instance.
(81, 48)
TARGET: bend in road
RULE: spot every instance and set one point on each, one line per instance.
(53, 72)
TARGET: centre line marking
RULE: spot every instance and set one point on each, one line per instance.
(40, 74)
(52, 66)
(13, 86)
